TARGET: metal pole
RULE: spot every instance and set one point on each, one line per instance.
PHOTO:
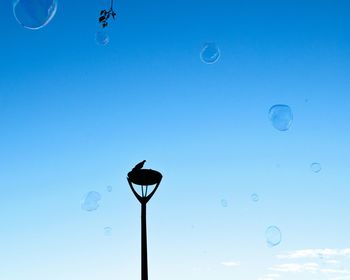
(144, 265)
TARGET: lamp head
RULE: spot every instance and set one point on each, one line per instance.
(145, 177)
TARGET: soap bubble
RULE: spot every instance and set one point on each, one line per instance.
(108, 231)
(34, 14)
(273, 236)
(90, 201)
(224, 203)
(210, 53)
(102, 38)
(281, 117)
(254, 197)
(316, 167)
(109, 188)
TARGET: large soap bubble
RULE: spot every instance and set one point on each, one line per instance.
(281, 117)
(210, 53)
(273, 236)
(91, 201)
(34, 14)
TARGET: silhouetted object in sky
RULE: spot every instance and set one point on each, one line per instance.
(106, 14)
(143, 178)
(139, 165)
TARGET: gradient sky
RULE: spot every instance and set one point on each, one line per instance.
(76, 117)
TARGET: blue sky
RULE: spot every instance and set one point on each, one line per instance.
(76, 117)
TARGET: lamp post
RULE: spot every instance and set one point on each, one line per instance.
(144, 178)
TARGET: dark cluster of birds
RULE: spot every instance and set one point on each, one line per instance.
(105, 15)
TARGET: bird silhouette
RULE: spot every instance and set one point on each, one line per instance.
(139, 165)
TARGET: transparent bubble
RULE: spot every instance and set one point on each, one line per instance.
(316, 167)
(34, 14)
(254, 197)
(101, 38)
(91, 201)
(281, 117)
(210, 53)
(224, 203)
(108, 231)
(109, 188)
(273, 236)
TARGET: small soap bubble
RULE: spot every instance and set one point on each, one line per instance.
(210, 53)
(273, 236)
(108, 231)
(254, 197)
(101, 38)
(109, 188)
(224, 203)
(281, 117)
(34, 14)
(316, 167)
(91, 201)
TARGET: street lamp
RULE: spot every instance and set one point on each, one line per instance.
(144, 178)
